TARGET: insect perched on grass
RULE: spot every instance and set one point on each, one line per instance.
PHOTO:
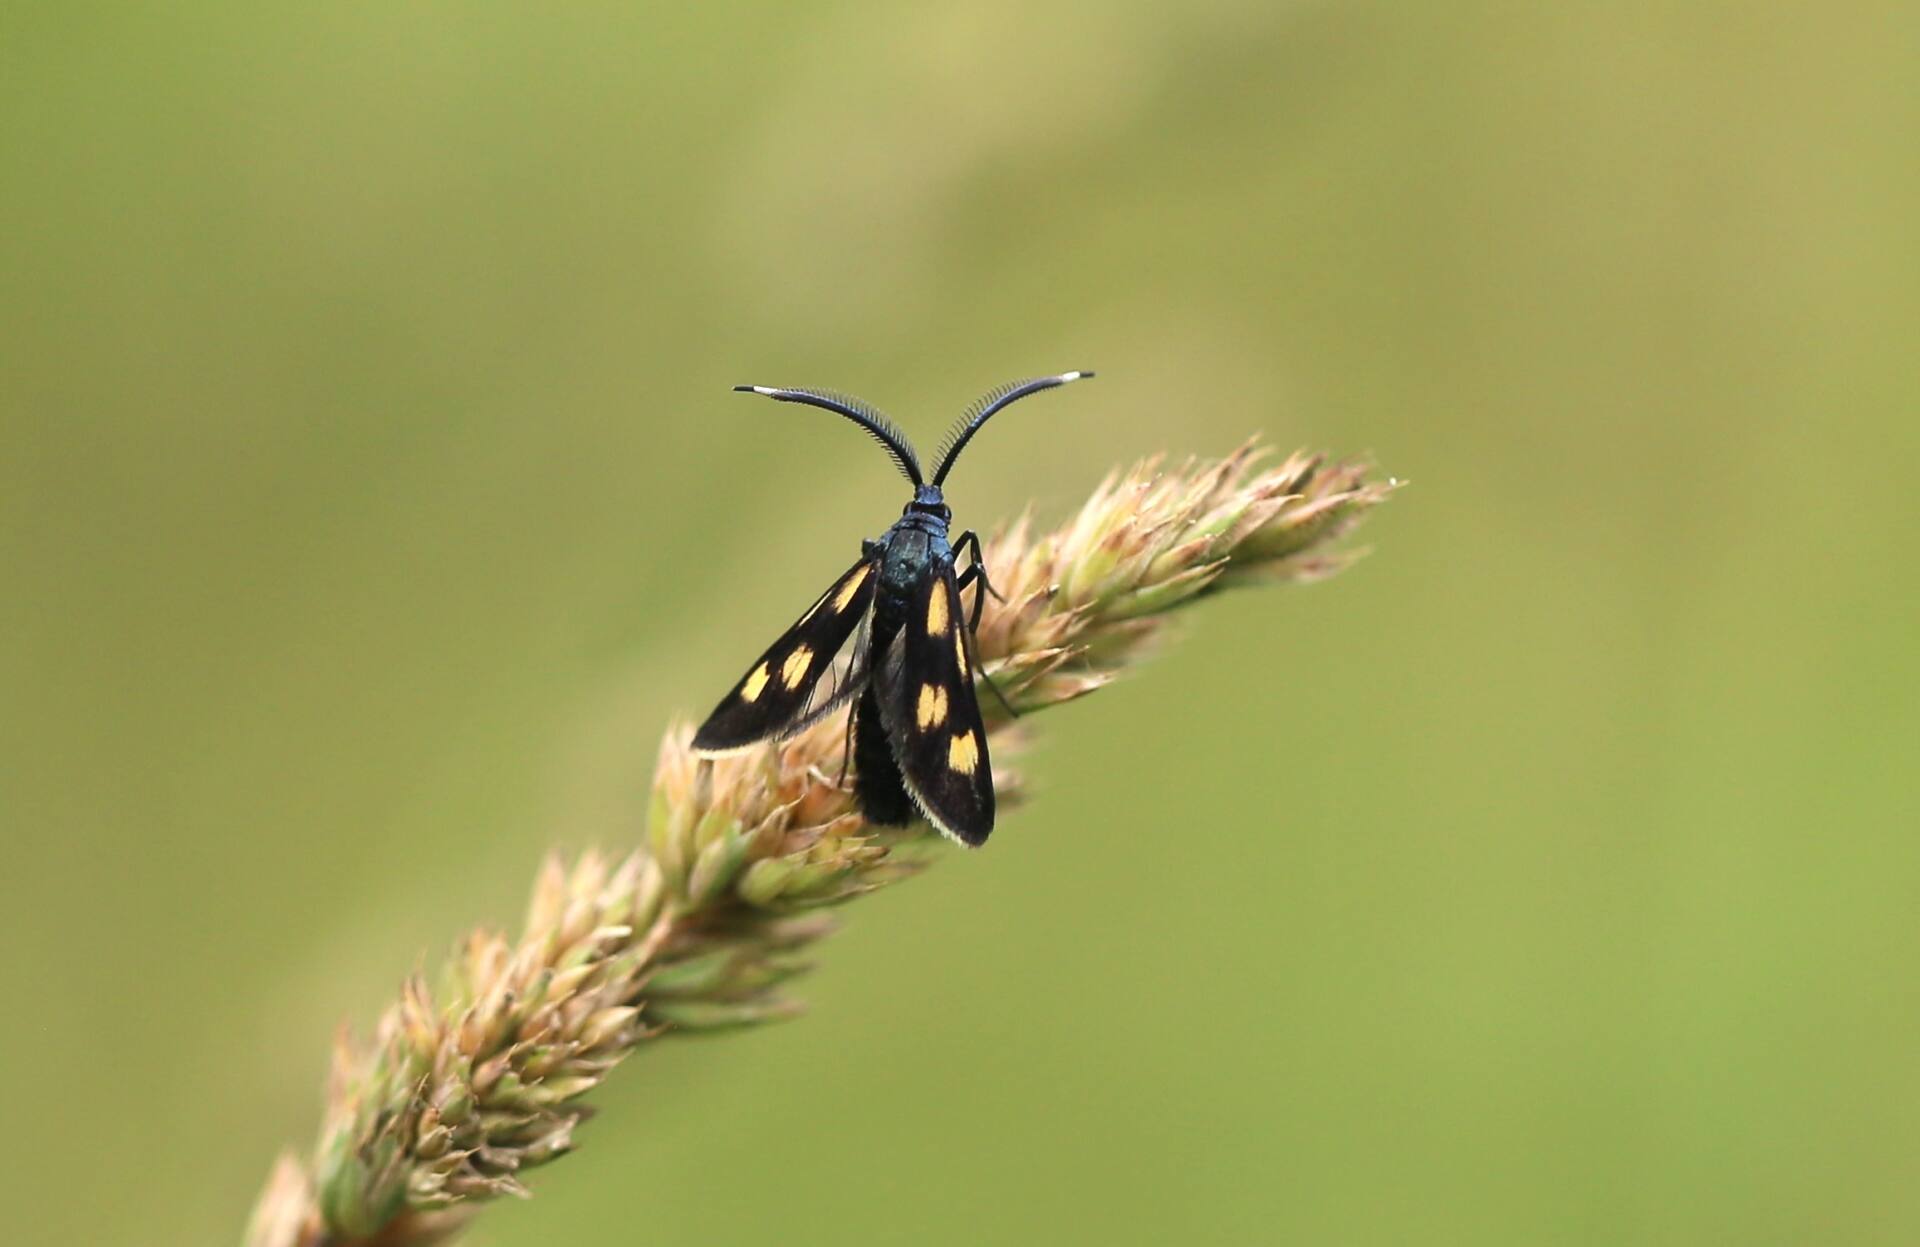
(917, 742)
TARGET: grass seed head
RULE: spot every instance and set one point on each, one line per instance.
(466, 1087)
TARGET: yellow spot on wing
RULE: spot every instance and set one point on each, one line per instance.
(960, 654)
(937, 609)
(794, 669)
(932, 710)
(847, 590)
(750, 691)
(963, 753)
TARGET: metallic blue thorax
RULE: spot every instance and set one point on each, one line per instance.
(915, 547)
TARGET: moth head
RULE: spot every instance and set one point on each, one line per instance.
(983, 410)
(928, 500)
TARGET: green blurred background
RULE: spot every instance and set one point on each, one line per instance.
(371, 499)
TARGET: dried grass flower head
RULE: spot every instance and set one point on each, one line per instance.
(470, 1082)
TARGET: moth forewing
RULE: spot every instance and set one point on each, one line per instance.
(933, 718)
(783, 691)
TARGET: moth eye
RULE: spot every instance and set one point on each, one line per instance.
(932, 708)
(963, 753)
(937, 610)
(794, 669)
(750, 691)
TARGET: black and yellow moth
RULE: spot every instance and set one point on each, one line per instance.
(917, 742)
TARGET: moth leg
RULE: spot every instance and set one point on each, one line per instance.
(846, 752)
(970, 541)
(978, 579)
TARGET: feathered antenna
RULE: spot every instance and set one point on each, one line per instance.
(992, 401)
(883, 429)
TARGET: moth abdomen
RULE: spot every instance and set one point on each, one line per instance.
(883, 798)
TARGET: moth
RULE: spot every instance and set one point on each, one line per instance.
(890, 638)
